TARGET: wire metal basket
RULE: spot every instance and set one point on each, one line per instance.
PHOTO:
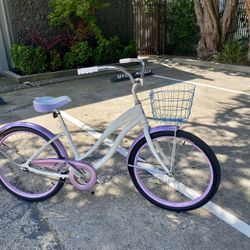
(172, 104)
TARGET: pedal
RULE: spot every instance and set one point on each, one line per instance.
(104, 179)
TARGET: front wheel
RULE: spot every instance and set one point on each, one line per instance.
(193, 179)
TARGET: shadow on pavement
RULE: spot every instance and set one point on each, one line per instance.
(228, 136)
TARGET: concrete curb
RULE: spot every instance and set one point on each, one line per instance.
(38, 77)
(27, 82)
(214, 65)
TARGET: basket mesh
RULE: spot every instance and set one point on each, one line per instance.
(172, 104)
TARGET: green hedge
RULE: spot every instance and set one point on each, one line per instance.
(182, 27)
(28, 59)
(35, 59)
(79, 54)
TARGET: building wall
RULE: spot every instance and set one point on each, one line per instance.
(27, 14)
(5, 38)
(3, 58)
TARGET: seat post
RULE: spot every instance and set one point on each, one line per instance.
(67, 133)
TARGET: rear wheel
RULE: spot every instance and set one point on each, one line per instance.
(194, 178)
(17, 145)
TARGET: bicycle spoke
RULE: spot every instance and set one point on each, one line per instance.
(187, 184)
(16, 148)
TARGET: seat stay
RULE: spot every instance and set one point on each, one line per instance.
(41, 149)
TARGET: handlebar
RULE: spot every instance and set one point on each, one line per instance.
(131, 60)
(136, 82)
(88, 70)
(105, 68)
(95, 69)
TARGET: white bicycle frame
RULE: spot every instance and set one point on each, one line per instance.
(131, 118)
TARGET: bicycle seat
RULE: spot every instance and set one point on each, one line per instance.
(46, 104)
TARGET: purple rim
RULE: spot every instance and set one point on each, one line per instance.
(39, 128)
(44, 131)
(175, 204)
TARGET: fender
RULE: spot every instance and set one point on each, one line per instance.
(39, 128)
(151, 131)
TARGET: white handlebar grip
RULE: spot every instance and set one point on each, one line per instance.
(126, 60)
(89, 70)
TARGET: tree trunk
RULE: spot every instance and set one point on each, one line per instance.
(208, 21)
(214, 30)
(247, 2)
(227, 18)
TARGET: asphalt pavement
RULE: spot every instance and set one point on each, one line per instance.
(117, 216)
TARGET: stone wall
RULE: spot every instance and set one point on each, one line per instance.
(25, 15)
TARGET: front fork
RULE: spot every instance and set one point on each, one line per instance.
(158, 152)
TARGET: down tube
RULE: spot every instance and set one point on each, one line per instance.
(132, 114)
(116, 143)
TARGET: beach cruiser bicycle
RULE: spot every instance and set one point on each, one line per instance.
(171, 168)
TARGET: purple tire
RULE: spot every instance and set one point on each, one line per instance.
(18, 144)
(193, 181)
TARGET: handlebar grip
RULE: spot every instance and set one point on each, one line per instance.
(128, 60)
(88, 70)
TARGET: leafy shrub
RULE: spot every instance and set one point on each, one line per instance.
(60, 42)
(232, 52)
(130, 50)
(55, 61)
(77, 17)
(182, 27)
(78, 55)
(108, 51)
(28, 59)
